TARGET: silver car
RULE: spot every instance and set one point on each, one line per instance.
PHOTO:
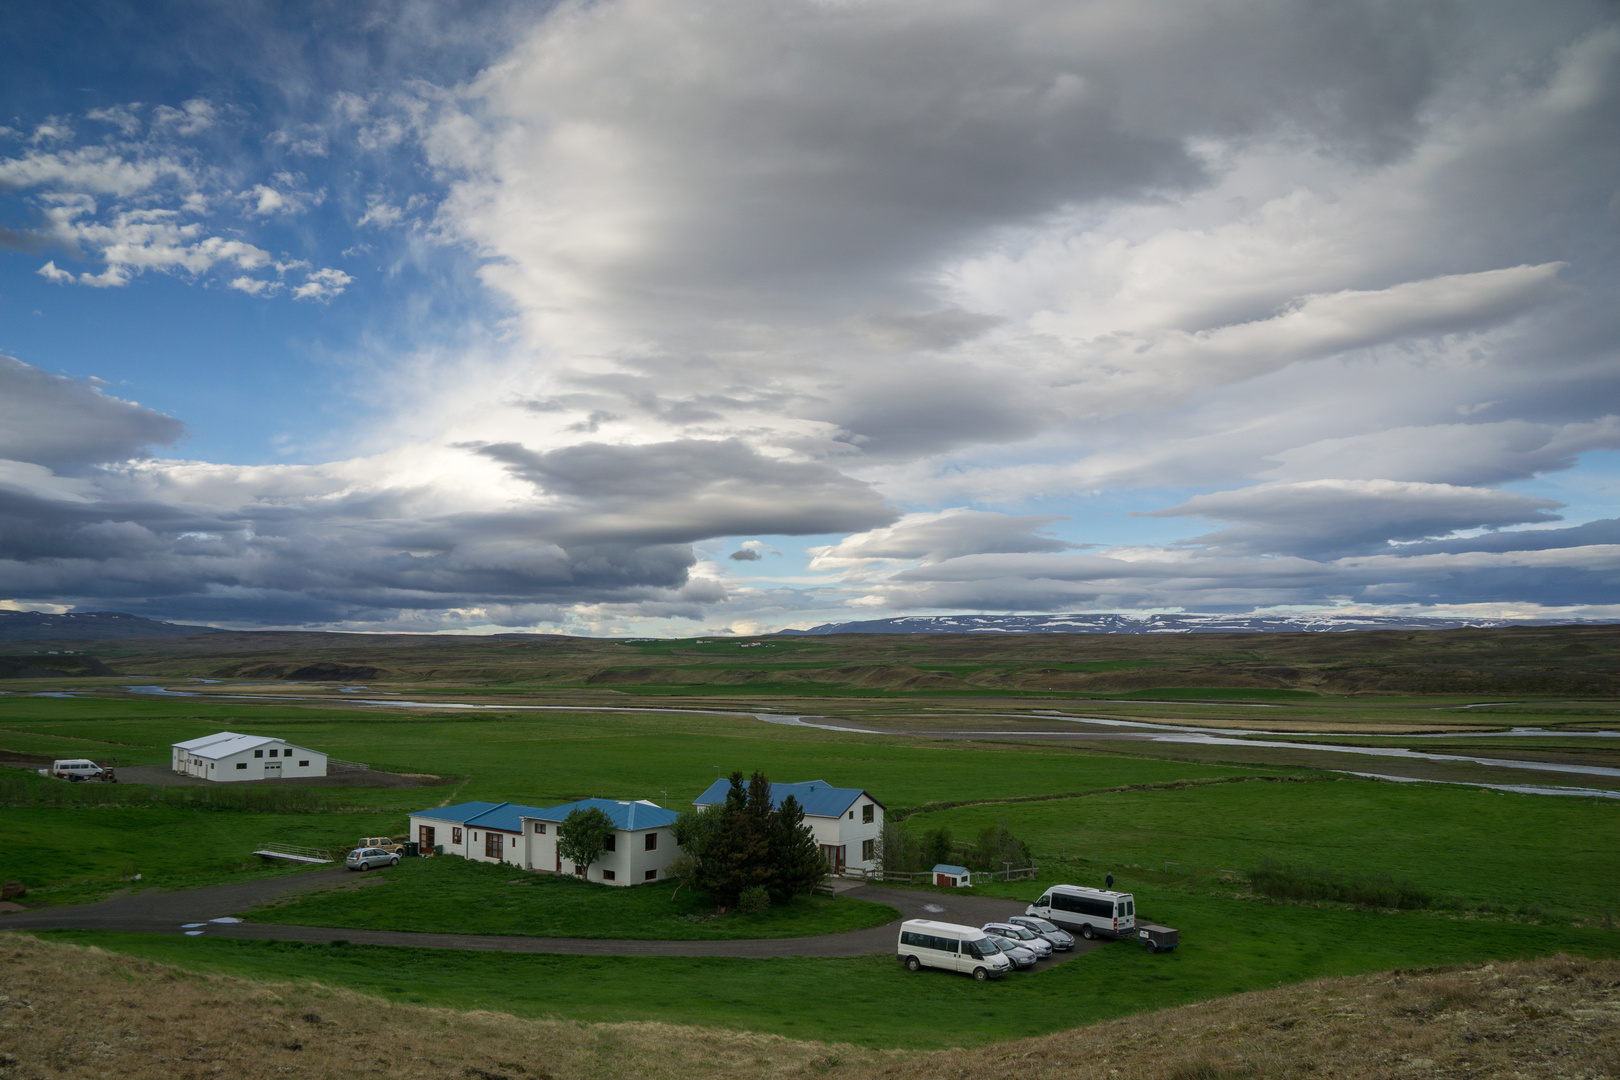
(1020, 956)
(1021, 935)
(364, 858)
(1061, 940)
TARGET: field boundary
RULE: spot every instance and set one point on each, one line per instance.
(905, 813)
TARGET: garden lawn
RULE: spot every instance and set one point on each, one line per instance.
(1228, 946)
(451, 895)
(1484, 846)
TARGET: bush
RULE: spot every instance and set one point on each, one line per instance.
(1284, 881)
(753, 900)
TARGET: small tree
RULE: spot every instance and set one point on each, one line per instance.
(938, 849)
(898, 848)
(795, 856)
(998, 846)
(582, 837)
(736, 854)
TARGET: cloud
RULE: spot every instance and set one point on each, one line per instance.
(96, 170)
(1331, 518)
(745, 555)
(936, 537)
(323, 285)
(60, 422)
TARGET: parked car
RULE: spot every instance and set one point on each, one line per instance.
(1061, 940)
(384, 843)
(925, 943)
(1091, 912)
(1020, 956)
(1021, 935)
(364, 858)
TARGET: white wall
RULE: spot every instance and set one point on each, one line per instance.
(628, 862)
(850, 831)
(225, 769)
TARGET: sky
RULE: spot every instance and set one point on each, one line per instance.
(701, 316)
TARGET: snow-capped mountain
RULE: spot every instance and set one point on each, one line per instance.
(1111, 623)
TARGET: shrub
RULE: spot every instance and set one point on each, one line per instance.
(753, 900)
(1284, 881)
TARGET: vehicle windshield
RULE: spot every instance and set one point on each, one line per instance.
(1042, 925)
(1001, 943)
(982, 948)
(1023, 933)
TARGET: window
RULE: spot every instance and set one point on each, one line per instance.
(424, 836)
(651, 875)
(868, 850)
(274, 753)
(258, 753)
(866, 814)
(241, 764)
(608, 875)
(455, 836)
(852, 815)
(611, 843)
(303, 764)
(492, 845)
(539, 829)
(652, 841)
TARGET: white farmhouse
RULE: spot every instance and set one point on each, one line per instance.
(227, 755)
(640, 848)
(846, 821)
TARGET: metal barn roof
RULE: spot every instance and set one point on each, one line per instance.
(203, 740)
(627, 816)
(817, 797)
(228, 743)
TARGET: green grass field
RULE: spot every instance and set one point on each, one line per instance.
(1545, 868)
(435, 895)
(1229, 946)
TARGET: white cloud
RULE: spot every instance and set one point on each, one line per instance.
(323, 285)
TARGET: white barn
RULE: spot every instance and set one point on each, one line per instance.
(846, 821)
(640, 849)
(228, 756)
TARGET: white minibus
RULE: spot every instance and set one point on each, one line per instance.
(925, 943)
(1088, 912)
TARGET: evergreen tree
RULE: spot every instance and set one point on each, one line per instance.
(736, 854)
(795, 856)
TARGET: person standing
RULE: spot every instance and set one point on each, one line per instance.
(1110, 879)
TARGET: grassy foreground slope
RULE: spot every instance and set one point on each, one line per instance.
(1228, 946)
(75, 1012)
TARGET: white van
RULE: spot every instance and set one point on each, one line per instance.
(925, 943)
(1088, 912)
(77, 769)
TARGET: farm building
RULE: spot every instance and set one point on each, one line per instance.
(846, 821)
(640, 848)
(227, 755)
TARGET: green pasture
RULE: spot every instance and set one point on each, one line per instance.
(450, 894)
(1228, 946)
(1486, 847)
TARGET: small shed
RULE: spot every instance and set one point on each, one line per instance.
(952, 877)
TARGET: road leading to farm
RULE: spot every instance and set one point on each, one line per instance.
(194, 911)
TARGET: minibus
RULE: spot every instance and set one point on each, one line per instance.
(925, 943)
(1088, 912)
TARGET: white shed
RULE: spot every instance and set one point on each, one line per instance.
(229, 756)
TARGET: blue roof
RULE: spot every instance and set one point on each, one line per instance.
(817, 797)
(507, 817)
(942, 868)
(627, 816)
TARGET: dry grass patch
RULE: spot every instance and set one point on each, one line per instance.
(1546, 1018)
(70, 1011)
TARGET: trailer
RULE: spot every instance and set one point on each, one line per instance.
(1157, 938)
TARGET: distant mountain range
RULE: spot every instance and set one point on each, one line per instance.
(1147, 624)
(87, 625)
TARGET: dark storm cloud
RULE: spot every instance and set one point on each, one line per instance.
(1333, 518)
(61, 422)
(680, 492)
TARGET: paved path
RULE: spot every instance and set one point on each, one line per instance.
(177, 912)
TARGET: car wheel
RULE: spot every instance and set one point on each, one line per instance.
(1086, 932)
(980, 974)
(394, 861)
(913, 964)
(362, 866)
